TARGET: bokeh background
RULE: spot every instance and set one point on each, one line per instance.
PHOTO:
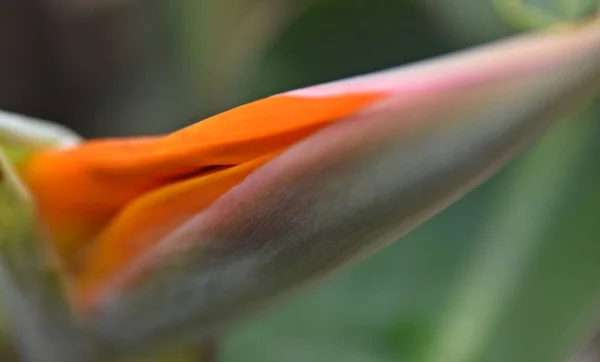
(509, 273)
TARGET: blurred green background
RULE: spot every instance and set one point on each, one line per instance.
(509, 273)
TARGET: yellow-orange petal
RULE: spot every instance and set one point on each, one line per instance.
(150, 218)
(80, 189)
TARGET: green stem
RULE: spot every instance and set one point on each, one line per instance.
(523, 16)
(529, 17)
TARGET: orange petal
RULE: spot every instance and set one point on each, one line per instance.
(151, 217)
(79, 190)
